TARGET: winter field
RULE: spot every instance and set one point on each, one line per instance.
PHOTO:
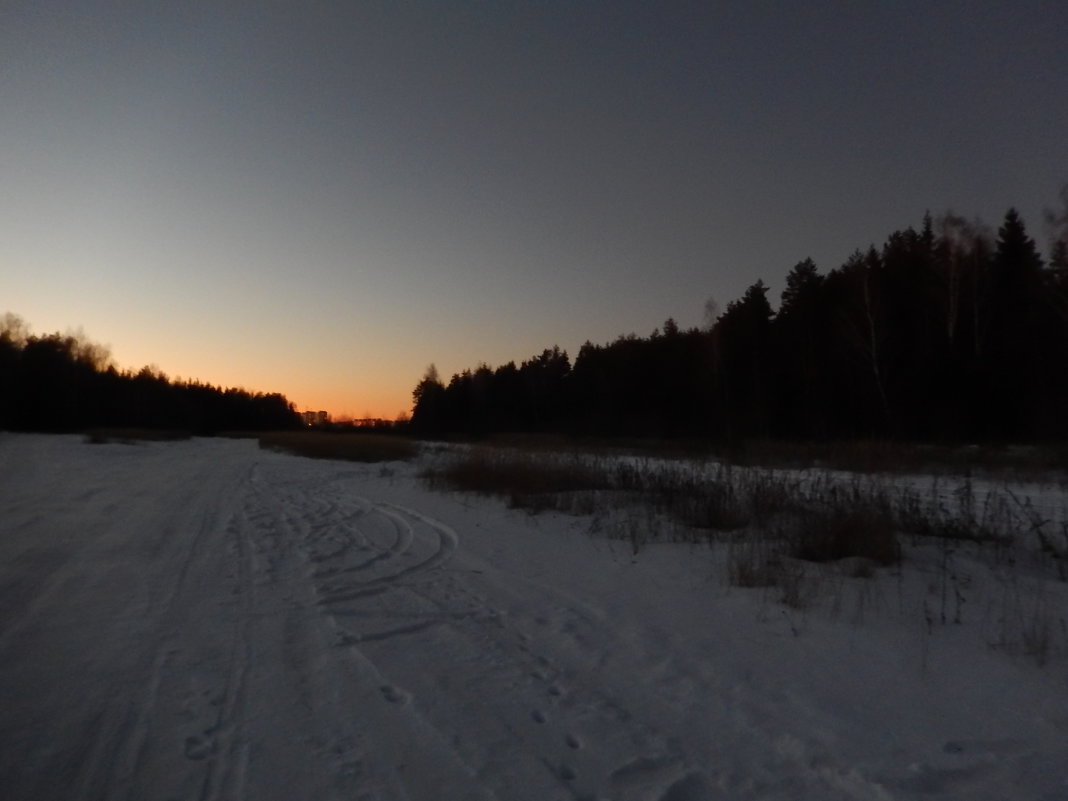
(205, 620)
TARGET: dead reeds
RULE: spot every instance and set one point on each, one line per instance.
(352, 447)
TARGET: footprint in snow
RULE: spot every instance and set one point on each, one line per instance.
(343, 639)
(395, 695)
(691, 787)
(197, 748)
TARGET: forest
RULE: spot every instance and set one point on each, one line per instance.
(947, 333)
(64, 383)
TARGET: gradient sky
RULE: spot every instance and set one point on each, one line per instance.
(322, 198)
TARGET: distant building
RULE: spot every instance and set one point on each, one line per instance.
(315, 418)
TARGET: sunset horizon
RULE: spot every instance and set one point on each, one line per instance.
(323, 202)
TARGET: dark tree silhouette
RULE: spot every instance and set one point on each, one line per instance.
(744, 364)
(428, 408)
(67, 383)
(943, 333)
(802, 336)
(1015, 354)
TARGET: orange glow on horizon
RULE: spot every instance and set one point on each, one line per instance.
(308, 386)
(342, 406)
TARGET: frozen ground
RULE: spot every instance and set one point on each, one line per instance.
(204, 620)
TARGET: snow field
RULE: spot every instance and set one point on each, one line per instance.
(205, 620)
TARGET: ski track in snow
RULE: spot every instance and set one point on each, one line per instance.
(204, 621)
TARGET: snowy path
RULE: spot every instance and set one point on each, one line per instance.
(205, 621)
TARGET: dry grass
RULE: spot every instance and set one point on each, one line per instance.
(531, 480)
(798, 537)
(823, 516)
(877, 456)
(670, 498)
(598, 446)
(751, 564)
(131, 436)
(352, 447)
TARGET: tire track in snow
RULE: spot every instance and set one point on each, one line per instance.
(107, 735)
(567, 727)
(556, 712)
(380, 565)
(402, 541)
(341, 533)
(223, 743)
(562, 728)
(442, 549)
(567, 718)
(412, 758)
(120, 732)
(405, 532)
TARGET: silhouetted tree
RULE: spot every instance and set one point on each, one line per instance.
(1015, 356)
(802, 338)
(428, 398)
(544, 379)
(942, 333)
(67, 383)
(745, 367)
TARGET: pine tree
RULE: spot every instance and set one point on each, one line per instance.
(1016, 356)
(800, 334)
(746, 364)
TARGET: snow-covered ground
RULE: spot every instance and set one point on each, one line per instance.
(206, 620)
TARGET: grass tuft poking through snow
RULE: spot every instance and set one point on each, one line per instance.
(802, 533)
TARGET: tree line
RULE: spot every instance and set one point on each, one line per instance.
(949, 332)
(63, 383)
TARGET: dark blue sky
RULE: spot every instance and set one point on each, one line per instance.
(322, 198)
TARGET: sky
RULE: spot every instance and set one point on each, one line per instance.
(322, 199)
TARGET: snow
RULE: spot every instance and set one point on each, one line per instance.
(206, 620)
